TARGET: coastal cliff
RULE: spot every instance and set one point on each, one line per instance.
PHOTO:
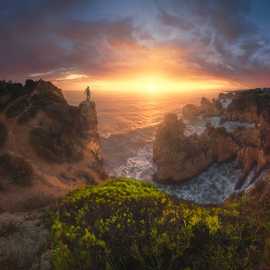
(125, 223)
(233, 127)
(48, 147)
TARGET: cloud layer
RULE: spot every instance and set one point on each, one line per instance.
(73, 39)
(225, 40)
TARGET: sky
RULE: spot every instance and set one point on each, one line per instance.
(137, 45)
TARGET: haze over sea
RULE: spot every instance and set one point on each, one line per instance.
(127, 124)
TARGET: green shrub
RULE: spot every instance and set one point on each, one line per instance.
(128, 224)
(15, 169)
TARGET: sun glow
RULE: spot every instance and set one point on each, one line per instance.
(158, 85)
(146, 84)
(148, 72)
(152, 87)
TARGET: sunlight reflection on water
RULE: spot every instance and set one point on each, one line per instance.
(127, 126)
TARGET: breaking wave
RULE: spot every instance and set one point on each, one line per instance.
(140, 166)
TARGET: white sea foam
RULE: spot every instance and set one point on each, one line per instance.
(212, 186)
(225, 102)
(230, 126)
(199, 126)
(139, 166)
(194, 129)
(253, 181)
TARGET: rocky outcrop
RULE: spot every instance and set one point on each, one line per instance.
(235, 126)
(207, 108)
(179, 158)
(48, 147)
(190, 112)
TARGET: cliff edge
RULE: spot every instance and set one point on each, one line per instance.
(47, 147)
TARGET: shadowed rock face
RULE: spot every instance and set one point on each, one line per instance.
(179, 158)
(15, 170)
(3, 134)
(39, 129)
(242, 133)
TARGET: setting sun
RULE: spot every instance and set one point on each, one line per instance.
(151, 87)
(151, 84)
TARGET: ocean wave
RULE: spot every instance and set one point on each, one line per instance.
(213, 186)
(139, 166)
(131, 155)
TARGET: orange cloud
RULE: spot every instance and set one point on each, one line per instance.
(147, 69)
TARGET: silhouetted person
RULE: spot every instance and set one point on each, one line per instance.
(88, 93)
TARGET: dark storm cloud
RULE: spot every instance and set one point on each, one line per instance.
(229, 41)
(44, 37)
(223, 38)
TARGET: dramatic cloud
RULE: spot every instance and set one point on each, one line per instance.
(80, 39)
(39, 40)
(223, 38)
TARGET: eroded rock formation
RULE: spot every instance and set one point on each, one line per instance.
(235, 126)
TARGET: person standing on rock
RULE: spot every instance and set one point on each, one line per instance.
(88, 93)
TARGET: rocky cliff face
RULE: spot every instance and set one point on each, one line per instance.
(47, 147)
(235, 126)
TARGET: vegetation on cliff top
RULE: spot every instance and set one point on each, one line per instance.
(127, 224)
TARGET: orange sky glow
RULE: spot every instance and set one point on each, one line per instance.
(155, 70)
(137, 46)
(144, 83)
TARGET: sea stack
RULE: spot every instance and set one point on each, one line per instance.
(234, 127)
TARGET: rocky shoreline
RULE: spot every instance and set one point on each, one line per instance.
(233, 127)
(50, 148)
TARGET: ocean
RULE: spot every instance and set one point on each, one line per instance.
(127, 124)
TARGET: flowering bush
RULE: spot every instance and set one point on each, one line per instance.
(129, 224)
